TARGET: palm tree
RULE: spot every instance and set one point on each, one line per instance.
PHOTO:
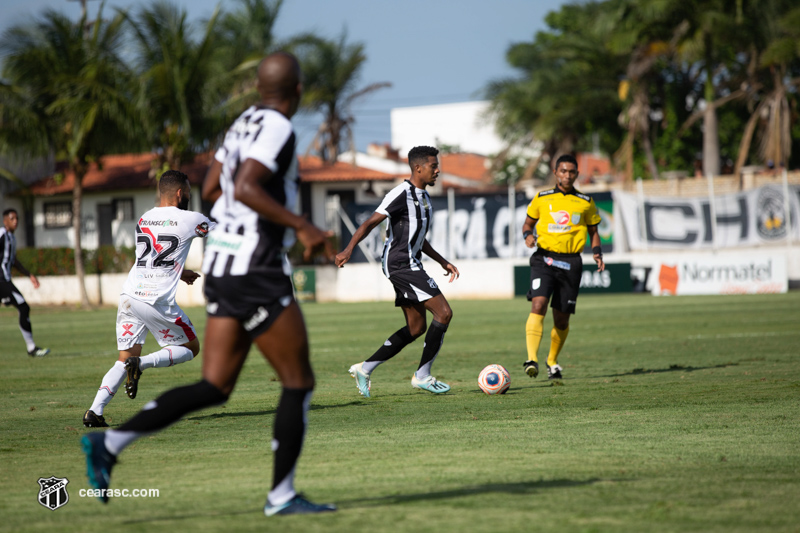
(244, 37)
(712, 41)
(182, 82)
(75, 89)
(770, 109)
(248, 33)
(331, 70)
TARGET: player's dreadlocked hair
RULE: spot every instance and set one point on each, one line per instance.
(420, 154)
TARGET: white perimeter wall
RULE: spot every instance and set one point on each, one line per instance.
(364, 282)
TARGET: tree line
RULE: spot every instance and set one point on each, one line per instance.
(686, 85)
(149, 79)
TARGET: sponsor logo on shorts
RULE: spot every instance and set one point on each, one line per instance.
(53, 492)
(256, 319)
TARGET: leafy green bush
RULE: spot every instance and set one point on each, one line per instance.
(61, 261)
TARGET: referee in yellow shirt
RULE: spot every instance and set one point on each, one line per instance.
(561, 217)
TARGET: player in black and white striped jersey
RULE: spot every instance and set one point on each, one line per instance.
(9, 293)
(408, 208)
(253, 182)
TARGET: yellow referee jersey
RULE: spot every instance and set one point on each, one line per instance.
(562, 219)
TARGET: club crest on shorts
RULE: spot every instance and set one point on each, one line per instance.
(432, 284)
(53, 492)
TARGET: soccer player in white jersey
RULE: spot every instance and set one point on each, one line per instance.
(147, 303)
(9, 293)
(249, 291)
(408, 208)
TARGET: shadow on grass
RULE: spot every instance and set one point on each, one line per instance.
(524, 487)
(266, 412)
(672, 368)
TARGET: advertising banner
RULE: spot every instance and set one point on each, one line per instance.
(749, 218)
(305, 284)
(721, 274)
(480, 227)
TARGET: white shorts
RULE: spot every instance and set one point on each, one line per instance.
(168, 323)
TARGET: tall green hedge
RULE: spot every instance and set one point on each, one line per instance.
(61, 261)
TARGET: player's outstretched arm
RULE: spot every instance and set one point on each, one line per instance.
(362, 231)
(26, 272)
(528, 231)
(449, 268)
(248, 190)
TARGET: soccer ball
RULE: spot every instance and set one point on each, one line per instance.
(494, 379)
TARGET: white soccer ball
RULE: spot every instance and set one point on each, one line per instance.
(494, 379)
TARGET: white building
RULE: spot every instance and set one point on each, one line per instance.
(466, 125)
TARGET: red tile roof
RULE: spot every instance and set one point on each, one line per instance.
(591, 165)
(468, 166)
(131, 171)
(312, 169)
(121, 171)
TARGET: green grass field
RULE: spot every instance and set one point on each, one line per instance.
(675, 414)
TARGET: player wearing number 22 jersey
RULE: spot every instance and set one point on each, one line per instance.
(147, 303)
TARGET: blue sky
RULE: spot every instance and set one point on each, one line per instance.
(432, 51)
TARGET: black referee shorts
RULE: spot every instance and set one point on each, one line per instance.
(556, 276)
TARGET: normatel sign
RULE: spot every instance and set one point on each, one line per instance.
(721, 274)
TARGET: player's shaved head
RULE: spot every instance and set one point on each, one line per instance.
(278, 76)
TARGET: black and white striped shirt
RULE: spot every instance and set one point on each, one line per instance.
(243, 242)
(8, 249)
(410, 215)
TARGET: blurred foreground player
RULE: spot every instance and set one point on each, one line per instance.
(561, 216)
(254, 183)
